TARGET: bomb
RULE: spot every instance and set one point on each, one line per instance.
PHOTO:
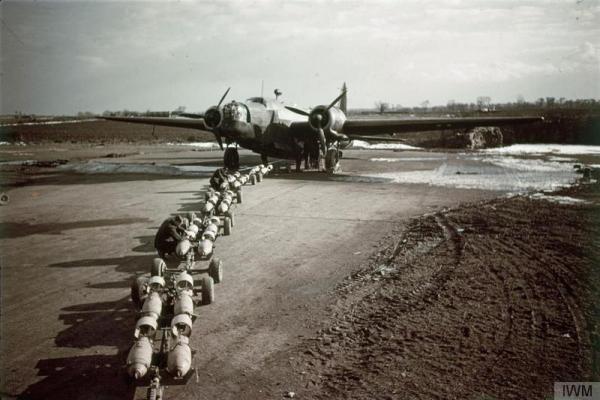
(152, 305)
(225, 203)
(145, 326)
(184, 304)
(207, 208)
(140, 357)
(210, 192)
(179, 360)
(211, 230)
(184, 282)
(205, 246)
(192, 231)
(182, 248)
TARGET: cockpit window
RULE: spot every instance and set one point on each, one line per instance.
(235, 112)
(260, 100)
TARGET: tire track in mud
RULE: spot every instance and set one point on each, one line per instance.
(474, 301)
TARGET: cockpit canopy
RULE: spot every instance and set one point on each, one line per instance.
(235, 112)
(260, 100)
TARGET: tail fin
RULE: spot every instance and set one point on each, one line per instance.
(344, 100)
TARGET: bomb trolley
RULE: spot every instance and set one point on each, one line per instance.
(161, 354)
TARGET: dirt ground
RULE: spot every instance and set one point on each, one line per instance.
(333, 289)
(492, 300)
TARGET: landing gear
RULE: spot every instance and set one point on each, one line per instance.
(231, 158)
(332, 161)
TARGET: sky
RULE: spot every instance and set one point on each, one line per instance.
(66, 57)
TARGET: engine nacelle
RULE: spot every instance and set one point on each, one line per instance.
(332, 119)
(213, 117)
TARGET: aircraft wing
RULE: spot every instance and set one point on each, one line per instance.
(368, 127)
(174, 122)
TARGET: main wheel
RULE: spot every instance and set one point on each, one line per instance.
(259, 176)
(215, 270)
(239, 195)
(208, 290)
(253, 179)
(227, 226)
(332, 161)
(231, 158)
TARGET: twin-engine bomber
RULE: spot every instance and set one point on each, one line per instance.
(272, 129)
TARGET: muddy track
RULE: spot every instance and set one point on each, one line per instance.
(493, 299)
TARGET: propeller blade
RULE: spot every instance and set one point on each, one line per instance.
(297, 111)
(322, 141)
(224, 95)
(336, 99)
(219, 140)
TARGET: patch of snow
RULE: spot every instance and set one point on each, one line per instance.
(534, 149)
(383, 159)
(361, 144)
(496, 174)
(201, 145)
(562, 159)
(73, 121)
(13, 144)
(558, 199)
(522, 164)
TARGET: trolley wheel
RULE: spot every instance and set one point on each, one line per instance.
(231, 216)
(208, 290)
(215, 270)
(239, 195)
(158, 267)
(227, 226)
(136, 285)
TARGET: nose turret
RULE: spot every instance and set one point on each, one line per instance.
(234, 112)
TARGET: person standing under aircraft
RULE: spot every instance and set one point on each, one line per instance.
(168, 235)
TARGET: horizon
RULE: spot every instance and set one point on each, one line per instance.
(161, 55)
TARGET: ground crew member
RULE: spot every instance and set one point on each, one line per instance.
(169, 234)
(219, 176)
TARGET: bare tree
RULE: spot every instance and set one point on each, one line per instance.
(381, 106)
(483, 103)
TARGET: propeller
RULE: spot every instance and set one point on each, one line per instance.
(316, 117)
(213, 117)
(223, 97)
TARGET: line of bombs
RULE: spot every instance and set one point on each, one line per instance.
(169, 292)
(179, 354)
